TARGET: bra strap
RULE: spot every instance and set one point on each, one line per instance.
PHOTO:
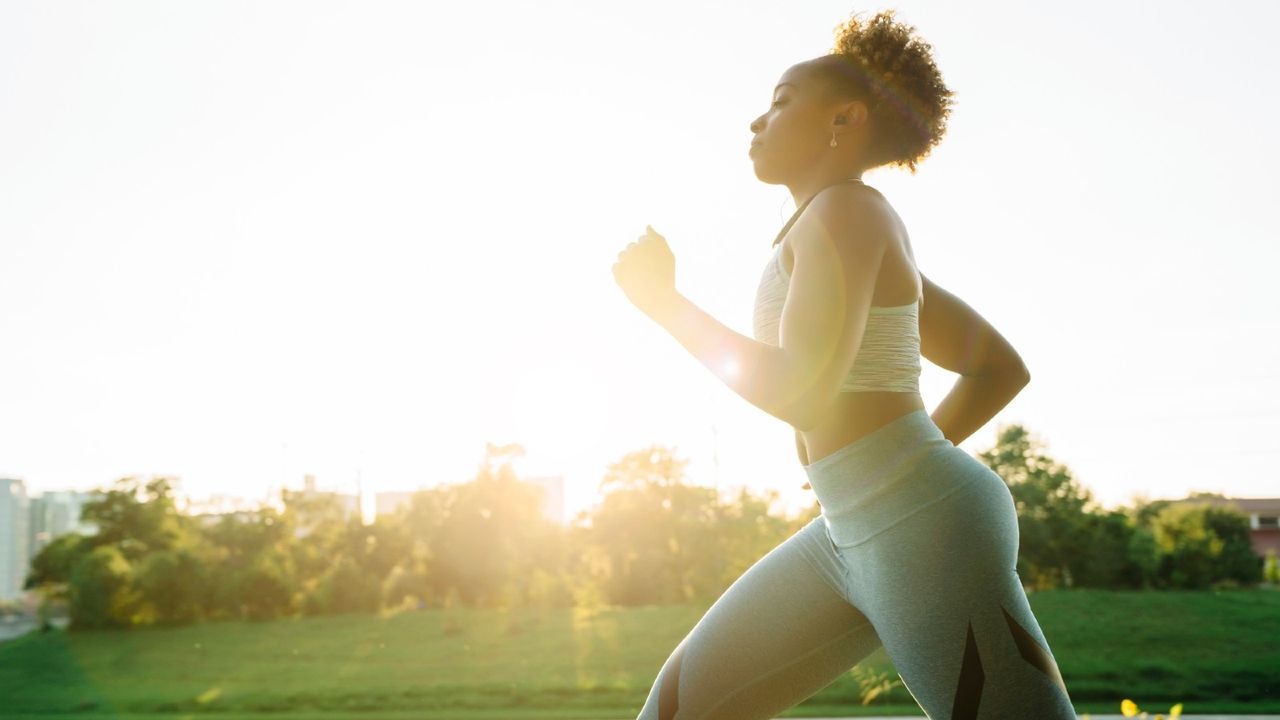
(796, 215)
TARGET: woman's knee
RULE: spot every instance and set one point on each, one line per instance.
(664, 695)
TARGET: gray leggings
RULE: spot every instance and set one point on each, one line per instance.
(916, 550)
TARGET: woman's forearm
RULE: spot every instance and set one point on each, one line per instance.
(758, 372)
(973, 401)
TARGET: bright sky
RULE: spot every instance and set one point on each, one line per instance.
(244, 241)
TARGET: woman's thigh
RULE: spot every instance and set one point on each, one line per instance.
(942, 589)
(780, 633)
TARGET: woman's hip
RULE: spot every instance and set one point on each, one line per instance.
(901, 469)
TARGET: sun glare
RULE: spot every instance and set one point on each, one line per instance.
(729, 368)
(560, 407)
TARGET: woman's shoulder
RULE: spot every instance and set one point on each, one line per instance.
(854, 210)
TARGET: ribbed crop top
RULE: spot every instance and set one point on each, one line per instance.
(888, 358)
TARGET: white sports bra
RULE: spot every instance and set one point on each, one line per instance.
(888, 358)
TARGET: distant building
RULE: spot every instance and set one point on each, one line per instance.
(209, 519)
(218, 504)
(553, 496)
(15, 552)
(57, 513)
(314, 506)
(387, 503)
(1263, 514)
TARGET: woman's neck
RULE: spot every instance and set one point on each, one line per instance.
(802, 193)
(805, 190)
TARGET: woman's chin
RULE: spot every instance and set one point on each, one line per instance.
(762, 174)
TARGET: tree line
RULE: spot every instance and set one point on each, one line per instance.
(654, 538)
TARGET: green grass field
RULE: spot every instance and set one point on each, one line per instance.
(1213, 651)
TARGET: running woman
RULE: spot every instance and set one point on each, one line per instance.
(916, 545)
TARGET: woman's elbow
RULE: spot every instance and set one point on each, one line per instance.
(1022, 373)
(809, 413)
(1015, 374)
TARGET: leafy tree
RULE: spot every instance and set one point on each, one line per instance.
(136, 516)
(1055, 534)
(101, 589)
(415, 577)
(1108, 562)
(1144, 510)
(51, 567)
(249, 564)
(1143, 553)
(98, 574)
(653, 528)
(743, 531)
(360, 559)
(346, 587)
(1202, 544)
(264, 586)
(1270, 568)
(1237, 562)
(174, 586)
(481, 542)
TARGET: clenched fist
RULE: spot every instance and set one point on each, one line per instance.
(646, 272)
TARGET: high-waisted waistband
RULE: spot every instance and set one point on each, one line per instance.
(876, 480)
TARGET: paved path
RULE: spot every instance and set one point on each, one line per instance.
(14, 626)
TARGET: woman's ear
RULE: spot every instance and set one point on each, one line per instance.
(852, 114)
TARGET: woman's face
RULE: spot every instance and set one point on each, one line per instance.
(794, 133)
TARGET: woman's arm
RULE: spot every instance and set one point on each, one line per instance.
(836, 248)
(776, 379)
(955, 337)
(762, 374)
(801, 450)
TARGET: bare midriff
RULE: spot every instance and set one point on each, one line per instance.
(853, 415)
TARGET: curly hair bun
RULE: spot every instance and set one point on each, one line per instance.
(883, 62)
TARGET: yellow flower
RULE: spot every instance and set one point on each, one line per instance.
(1175, 711)
(1128, 708)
